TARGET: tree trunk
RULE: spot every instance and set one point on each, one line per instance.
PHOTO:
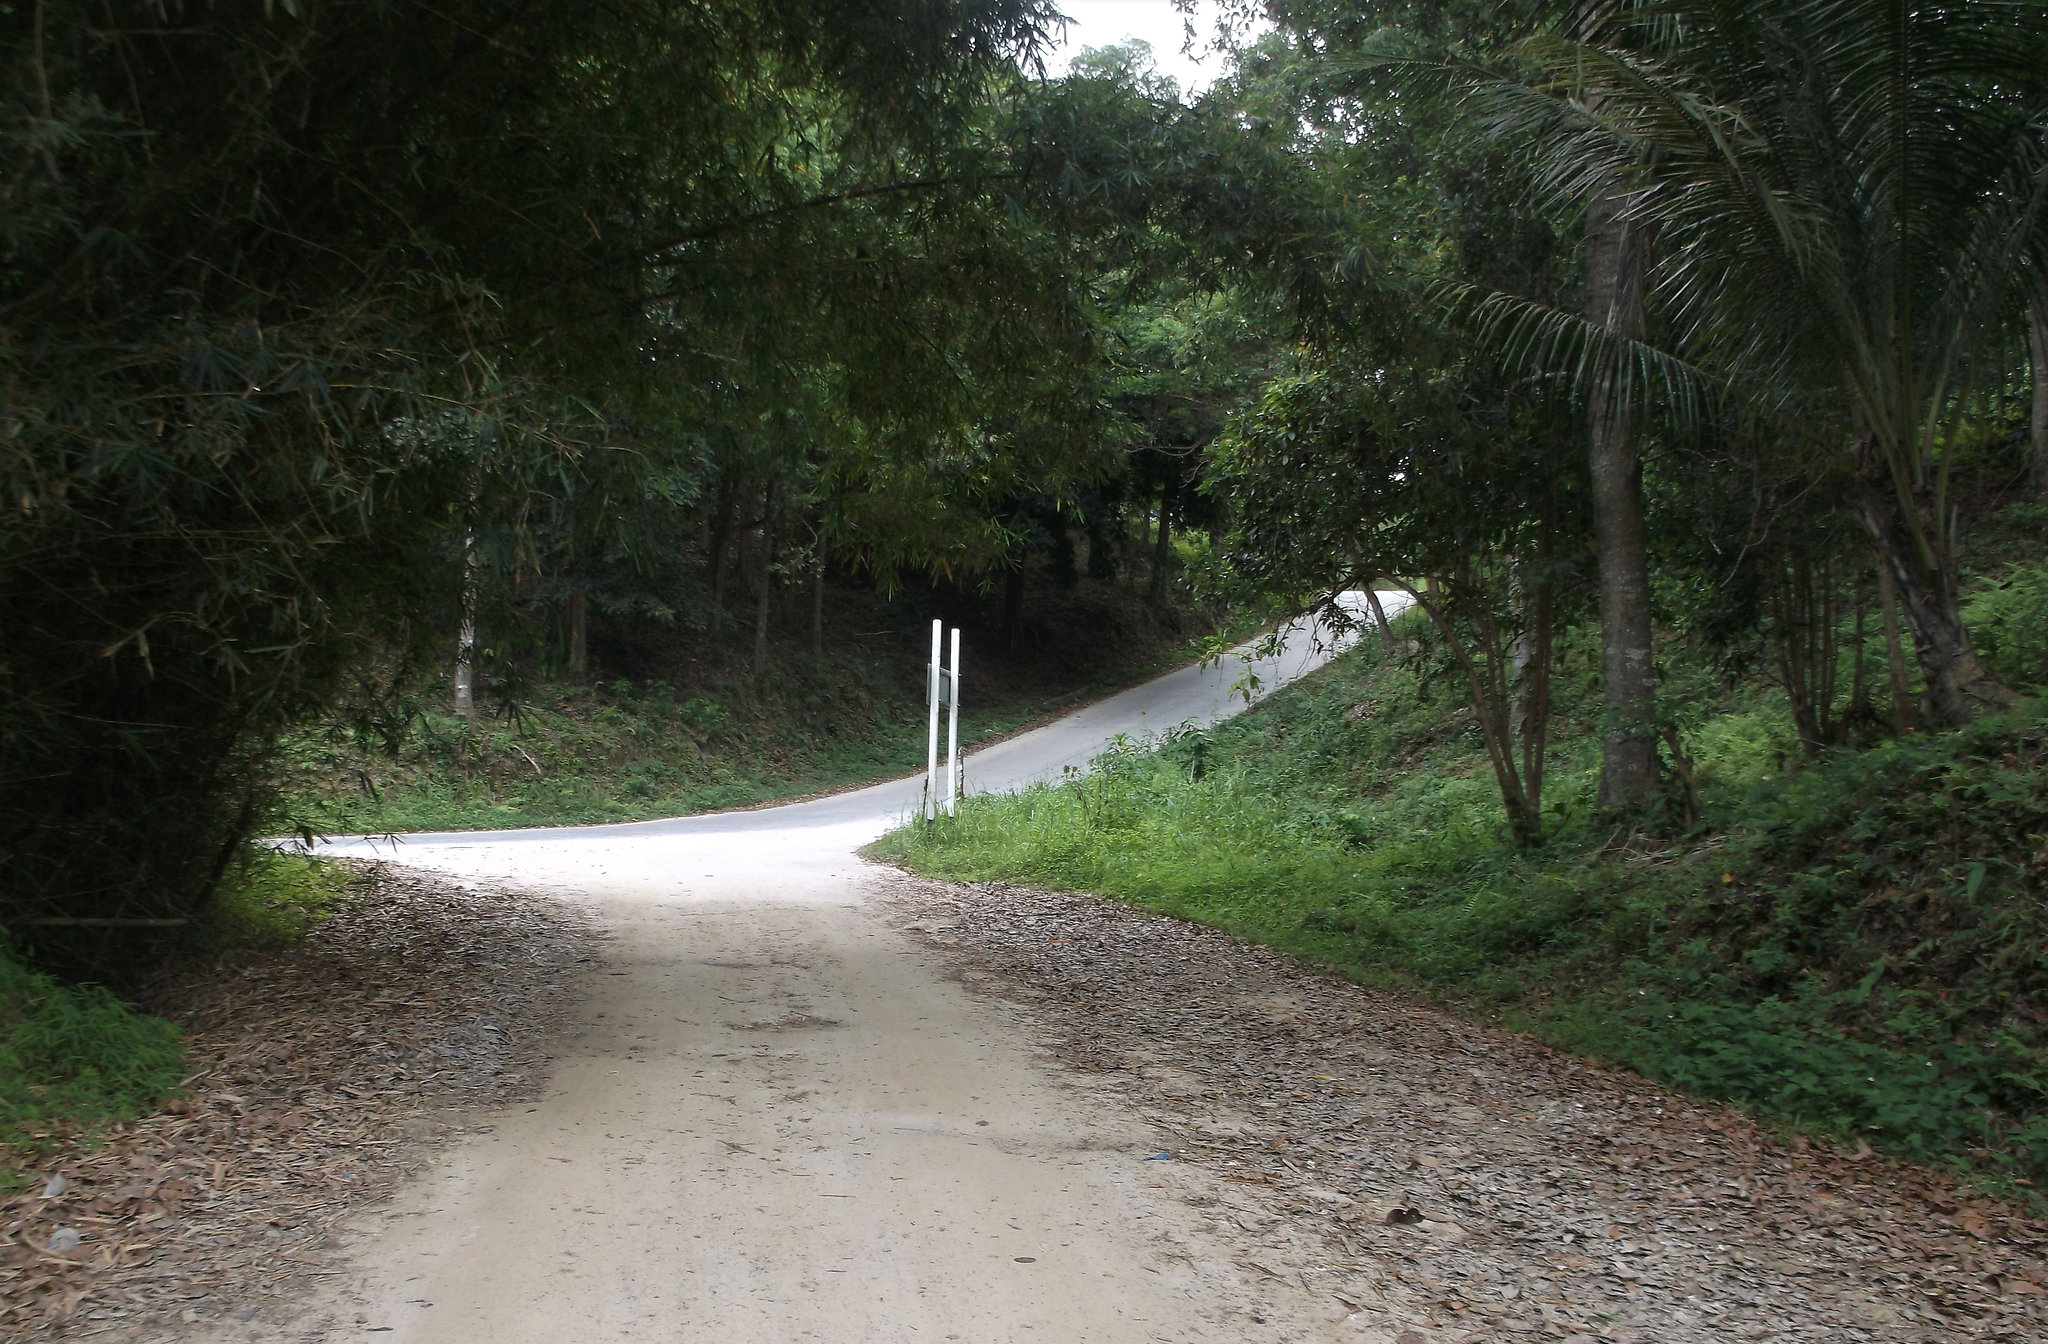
(2037, 352)
(465, 636)
(1521, 782)
(1379, 617)
(1101, 550)
(1013, 607)
(721, 544)
(1859, 684)
(1894, 650)
(1162, 549)
(1614, 302)
(1532, 704)
(765, 577)
(579, 630)
(1959, 686)
(1803, 614)
(818, 605)
(1521, 653)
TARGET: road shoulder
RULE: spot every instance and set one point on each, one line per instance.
(322, 1076)
(1442, 1181)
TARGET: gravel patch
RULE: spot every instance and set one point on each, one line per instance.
(322, 1075)
(1445, 1181)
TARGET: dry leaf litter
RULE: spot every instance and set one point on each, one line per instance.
(1443, 1181)
(321, 1075)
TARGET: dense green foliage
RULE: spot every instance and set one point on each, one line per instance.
(1855, 949)
(333, 329)
(1744, 290)
(567, 359)
(1846, 200)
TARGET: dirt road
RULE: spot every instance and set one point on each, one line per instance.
(788, 1095)
(778, 1118)
(803, 1097)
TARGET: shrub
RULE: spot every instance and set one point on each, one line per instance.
(2008, 621)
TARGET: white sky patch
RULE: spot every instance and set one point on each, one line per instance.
(1102, 23)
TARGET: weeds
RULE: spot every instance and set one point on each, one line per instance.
(272, 899)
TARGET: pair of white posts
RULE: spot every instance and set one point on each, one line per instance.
(944, 687)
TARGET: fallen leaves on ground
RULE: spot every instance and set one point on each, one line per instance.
(319, 1073)
(1440, 1180)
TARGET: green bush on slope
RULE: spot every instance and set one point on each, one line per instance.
(2009, 622)
(702, 736)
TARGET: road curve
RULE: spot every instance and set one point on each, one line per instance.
(777, 1118)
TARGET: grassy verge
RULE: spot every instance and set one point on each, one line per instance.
(76, 1058)
(1860, 950)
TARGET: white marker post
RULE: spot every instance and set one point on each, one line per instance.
(931, 750)
(953, 731)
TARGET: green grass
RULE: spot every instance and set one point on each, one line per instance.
(73, 1057)
(272, 900)
(76, 1058)
(1860, 950)
(621, 752)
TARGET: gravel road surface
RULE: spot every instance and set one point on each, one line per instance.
(802, 1097)
(777, 1118)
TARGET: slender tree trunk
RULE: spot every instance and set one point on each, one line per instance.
(1013, 606)
(721, 545)
(1162, 549)
(1520, 788)
(579, 630)
(2037, 352)
(1379, 618)
(465, 636)
(1532, 701)
(1521, 652)
(1859, 683)
(1614, 302)
(818, 604)
(1803, 610)
(1894, 650)
(1958, 684)
(767, 589)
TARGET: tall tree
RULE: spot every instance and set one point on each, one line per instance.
(1614, 306)
(2037, 369)
(1444, 477)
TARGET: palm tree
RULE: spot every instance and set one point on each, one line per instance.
(1842, 196)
